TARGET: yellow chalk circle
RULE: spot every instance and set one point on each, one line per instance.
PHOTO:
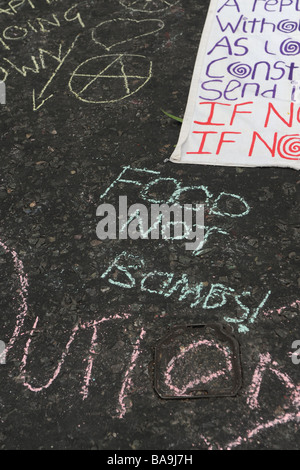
(110, 78)
(148, 6)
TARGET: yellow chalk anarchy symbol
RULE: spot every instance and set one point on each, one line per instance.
(110, 78)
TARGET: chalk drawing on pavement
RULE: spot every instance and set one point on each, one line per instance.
(126, 28)
(148, 6)
(110, 78)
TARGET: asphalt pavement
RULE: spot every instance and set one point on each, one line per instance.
(134, 344)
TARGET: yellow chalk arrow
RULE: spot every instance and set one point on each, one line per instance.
(61, 62)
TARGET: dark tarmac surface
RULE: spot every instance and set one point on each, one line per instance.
(81, 317)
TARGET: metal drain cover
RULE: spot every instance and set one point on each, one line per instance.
(197, 361)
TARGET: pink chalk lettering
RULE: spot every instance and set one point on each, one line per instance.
(127, 382)
(204, 379)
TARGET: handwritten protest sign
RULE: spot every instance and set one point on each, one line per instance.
(244, 103)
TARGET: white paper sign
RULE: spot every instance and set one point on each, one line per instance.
(244, 103)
